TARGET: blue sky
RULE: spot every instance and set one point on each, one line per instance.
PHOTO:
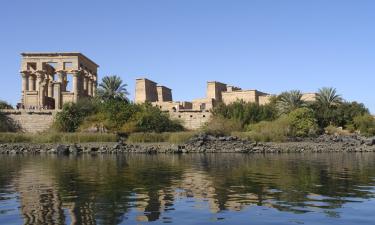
(269, 45)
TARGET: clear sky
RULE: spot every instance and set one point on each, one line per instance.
(269, 45)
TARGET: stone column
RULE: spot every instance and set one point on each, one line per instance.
(85, 84)
(94, 85)
(90, 87)
(25, 77)
(42, 88)
(39, 79)
(76, 76)
(50, 86)
(31, 82)
(57, 94)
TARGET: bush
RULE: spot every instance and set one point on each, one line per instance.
(266, 131)
(299, 123)
(116, 113)
(5, 105)
(365, 124)
(73, 114)
(302, 123)
(7, 124)
(220, 126)
(152, 119)
(246, 113)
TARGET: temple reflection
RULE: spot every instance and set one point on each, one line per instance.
(112, 190)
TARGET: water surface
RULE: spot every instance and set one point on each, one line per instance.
(330, 189)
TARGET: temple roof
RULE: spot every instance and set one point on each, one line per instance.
(58, 54)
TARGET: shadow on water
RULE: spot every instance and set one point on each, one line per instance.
(143, 188)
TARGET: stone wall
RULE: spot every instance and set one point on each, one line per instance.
(191, 120)
(145, 91)
(164, 94)
(32, 121)
(246, 96)
(214, 90)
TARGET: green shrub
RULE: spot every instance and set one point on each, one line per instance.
(365, 124)
(5, 105)
(115, 113)
(152, 119)
(302, 123)
(266, 131)
(7, 124)
(246, 113)
(220, 126)
(73, 114)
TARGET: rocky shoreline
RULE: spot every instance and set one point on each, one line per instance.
(202, 144)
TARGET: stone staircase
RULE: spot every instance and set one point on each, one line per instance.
(32, 121)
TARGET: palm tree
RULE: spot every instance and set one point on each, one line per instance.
(112, 87)
(327, 97)
(289, 101)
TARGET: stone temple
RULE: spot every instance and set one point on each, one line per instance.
(45, 79)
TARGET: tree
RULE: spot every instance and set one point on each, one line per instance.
(112, 87)
(289, 101)
(328, 97)
(326, 105)
(365, 124)
(5, 105)
(302, 122)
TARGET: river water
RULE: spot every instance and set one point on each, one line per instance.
(336, 188)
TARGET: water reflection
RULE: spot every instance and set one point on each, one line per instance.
(180, 188)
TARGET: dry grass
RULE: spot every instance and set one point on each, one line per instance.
(54, 137)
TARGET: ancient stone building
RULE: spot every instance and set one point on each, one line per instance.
(45, 79)
(197, 112)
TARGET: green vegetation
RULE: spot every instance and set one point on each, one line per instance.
(302, 123)
(73, 114)
(112, 112)
(246, 113)
(112, 87)
(53, 137)
(6, 123)
(5, 105)
(289, 116)
(365, 124)
(289, 101)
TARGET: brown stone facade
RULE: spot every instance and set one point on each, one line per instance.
(45, 79)
(196, 113)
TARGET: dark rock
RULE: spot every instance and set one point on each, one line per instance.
(62, 150)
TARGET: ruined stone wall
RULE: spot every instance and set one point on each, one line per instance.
(214, 90)
(309, 97)
(164, 94)
(264, 99)
(145, 91)
(191, 120)
(32, 121)
(247, 96)
(203, 104)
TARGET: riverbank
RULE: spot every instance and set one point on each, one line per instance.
(200, 144)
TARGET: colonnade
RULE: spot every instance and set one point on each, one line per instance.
(46, 86)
